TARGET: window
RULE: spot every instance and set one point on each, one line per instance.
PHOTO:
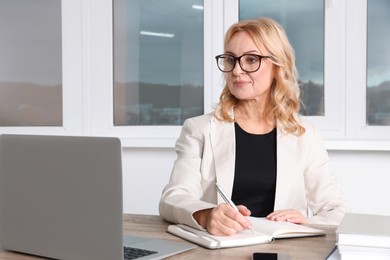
(158, 46)
(378, 63)
(41, 69)
(31, 63)
(158, 61)
(366, 126)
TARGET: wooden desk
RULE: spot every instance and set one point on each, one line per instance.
(154, 226)
(298, 248)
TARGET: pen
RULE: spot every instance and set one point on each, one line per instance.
(227, 199)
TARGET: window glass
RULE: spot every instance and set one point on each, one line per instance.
(378, 63)
(303, 21)
(30, 63)
(158, 61)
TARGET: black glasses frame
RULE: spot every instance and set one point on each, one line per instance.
(239, 61)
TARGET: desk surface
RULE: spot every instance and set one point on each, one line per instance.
(154, 226)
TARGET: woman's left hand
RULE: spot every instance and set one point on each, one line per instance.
(288, 215)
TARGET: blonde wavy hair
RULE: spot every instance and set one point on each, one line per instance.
(284, 101)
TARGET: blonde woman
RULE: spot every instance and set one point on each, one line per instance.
(269, 161)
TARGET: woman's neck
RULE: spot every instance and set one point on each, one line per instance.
(253, 119)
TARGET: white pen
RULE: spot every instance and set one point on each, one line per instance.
(227, 199)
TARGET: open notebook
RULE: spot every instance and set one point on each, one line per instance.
(264, 232)
(61, 197)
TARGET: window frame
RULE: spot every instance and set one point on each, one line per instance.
(371, 137)
(88, 76)
(101, 77)
(72, 74)
(358, 135)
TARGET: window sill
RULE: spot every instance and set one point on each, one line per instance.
(358, 145)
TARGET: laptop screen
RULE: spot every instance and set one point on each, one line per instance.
(61, 196)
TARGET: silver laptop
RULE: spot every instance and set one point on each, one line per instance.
(61, 197)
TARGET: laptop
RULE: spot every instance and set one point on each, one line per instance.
(61, 197)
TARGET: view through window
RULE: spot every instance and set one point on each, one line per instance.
(378, 63)
(30, 63)
(158, 61)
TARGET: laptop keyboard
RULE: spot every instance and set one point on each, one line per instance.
(134, 253)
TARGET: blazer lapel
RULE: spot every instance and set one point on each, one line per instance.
(222, 139)
(286, 164)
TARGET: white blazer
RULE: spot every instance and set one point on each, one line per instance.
(206, 154)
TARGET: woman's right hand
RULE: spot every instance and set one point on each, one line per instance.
(223, 220)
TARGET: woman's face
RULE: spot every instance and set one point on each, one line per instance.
(253, 85)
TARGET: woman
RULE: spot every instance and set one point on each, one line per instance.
(271, 162)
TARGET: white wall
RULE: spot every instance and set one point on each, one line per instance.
(145, 173)
(364, 177)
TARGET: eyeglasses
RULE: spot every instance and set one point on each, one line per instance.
(248, 62)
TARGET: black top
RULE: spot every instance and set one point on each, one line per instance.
(255, 171)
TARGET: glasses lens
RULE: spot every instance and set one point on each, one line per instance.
(250, 63)
(226, 63)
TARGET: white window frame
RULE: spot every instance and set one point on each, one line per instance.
(72, 77)
(101, 77)
(358, 135)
